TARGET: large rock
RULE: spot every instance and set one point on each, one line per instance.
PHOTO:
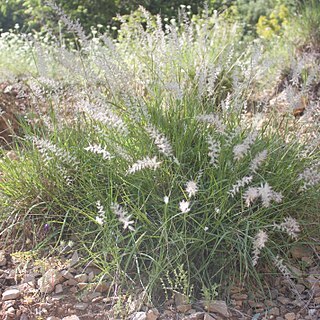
(49, 280)
(11, 294)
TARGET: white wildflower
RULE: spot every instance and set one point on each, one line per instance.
(49, 151)
(205, 228)
(191, 188)
(214, 150)
(259, 242)
(161, 142)
(258, 160)
(98, 149)
(127, 222)
(123, 216)
(240, 150)
(150, 163)
(100, 218)
(290, 226)
(310, 177)
(184, 206)
(281, 266)
(166, 199)
(251, 195)
(214, 120)
(267, 195)
(239, 184)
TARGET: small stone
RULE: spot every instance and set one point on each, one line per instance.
(195, 316)
(307, 260)
(73, 317)
(74, 259)
(274, 311)
(218, 306)
(290, 316)
(7, 304)
(93, 295)
(57, 298)
(71, 282)
(102, 287)
(153, 314)
(183, 308)
(139, 316)
(3, 259)
(208, 317)
(314, 283)
(11, 311)
(180, 299)
(256, 305)
(81, 306)
(11, 294)
(81, 277)
(82, 285)
(298, 251)
(12, 155)
(53, 318)
(316, 300)
(59, 288)
(73, 289)
(239, 296)
(67, 274)
(283, 300)
(91, 276)
(300, 287)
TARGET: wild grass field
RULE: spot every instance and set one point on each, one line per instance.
(182, 155)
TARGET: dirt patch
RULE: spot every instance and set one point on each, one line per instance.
(67, 288)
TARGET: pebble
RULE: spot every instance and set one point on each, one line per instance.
(11, 311)
(195, 316)
(153, 314)
(274, 311)
(74, 259)
(180, 299)
(139, 316)
(67, 274)
(299, 251)
(58, 289)
(73, 317)
(81, 277)
(284, 300)
(218, 306)
(3, 259)
(81, 306)
(183, 308)
(290, 316)
(102, 287)
(239, 296)
(11, 294)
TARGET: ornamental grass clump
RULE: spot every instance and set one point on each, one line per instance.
(174, 176)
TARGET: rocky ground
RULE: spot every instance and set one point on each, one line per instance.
(66, 288)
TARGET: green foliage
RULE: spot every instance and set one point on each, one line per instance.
(307, 24)
(268, 27)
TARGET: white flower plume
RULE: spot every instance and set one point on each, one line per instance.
(150, 163)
